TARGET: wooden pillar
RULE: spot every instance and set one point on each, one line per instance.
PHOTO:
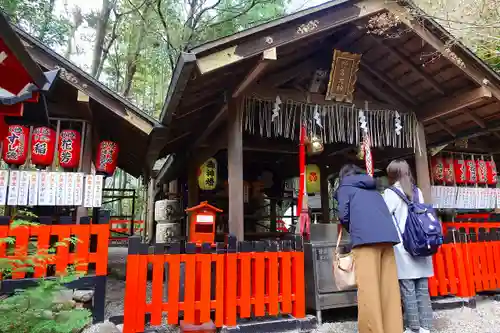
(193, 194)
(149, 224)
(86, 164)
(235, 169)
(422, 165)
(325, 196)
(272, 215)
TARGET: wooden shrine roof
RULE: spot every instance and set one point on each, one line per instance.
(113, 117)
(421, 68)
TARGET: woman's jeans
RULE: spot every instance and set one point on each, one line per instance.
(416, 303)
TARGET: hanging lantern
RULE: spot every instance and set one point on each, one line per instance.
(482, 172)
(69, 149)
(460, 171)
(471, 171)
(491, 172)
(449, 174)
(15, 145)
(107, 157)
(313, 175)
(207, 175)
(437, 169)
(314, 145)
(43, 141)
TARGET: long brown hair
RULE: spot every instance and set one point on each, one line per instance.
(399, 170)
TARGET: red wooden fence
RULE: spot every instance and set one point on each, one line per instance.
(259, 278)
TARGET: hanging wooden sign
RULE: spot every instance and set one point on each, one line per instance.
(22, 197)
(4, 181)
(343, 76)
(207, 175)
(33, 189)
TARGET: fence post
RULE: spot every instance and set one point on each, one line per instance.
(131, 286)
(231, 277)
(298, 285)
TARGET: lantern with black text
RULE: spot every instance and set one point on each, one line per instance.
(471, 171)
(460, 171)
(437, 169)
(482, 172)
(69, 149)
(107, 157)
(15, 145)
(312, 178)
(207, 175)
(43, 145)
(491, 172)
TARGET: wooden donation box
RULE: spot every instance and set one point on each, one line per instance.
(202, 223)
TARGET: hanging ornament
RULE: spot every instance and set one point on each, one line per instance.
(314, 145)
(276, 108)
(317, 117)
(43, 146)
(482, 172)
(460, 171)
(107, 158)
(313, 174)
(397, 123)
(491, 172)
(207, 175)
(69, 149)
(362, 121)
(15, 145)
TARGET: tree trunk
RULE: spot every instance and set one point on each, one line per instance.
(102, 26)
(133, 57)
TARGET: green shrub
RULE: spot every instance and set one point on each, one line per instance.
(33, 310)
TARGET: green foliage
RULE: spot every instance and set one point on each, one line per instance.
(34, 310)
(38, 18)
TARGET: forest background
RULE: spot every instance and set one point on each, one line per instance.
(132, 45)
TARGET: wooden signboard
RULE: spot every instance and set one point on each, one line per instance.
(343, 76)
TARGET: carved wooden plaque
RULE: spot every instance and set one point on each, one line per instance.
(343, 76)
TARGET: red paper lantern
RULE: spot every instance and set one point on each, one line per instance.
(482, 172)
(43, 146)
(437, 169)
(15, 145)
(449, 174)
(69, 149)
(460, 171)
(107, 157)
(471, 171)
(491, 172)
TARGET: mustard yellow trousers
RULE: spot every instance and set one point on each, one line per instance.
(379, 301)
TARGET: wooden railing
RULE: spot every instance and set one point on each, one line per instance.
(230, 281)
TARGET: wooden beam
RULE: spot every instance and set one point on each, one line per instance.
(468, 67)
(405, 61)
(422, 165)
(235, 169)
(240, 89)
(258, 69)
(493, 126)
(445, 127)
(374, 89)
(389, 82)
(302, 27)
(436, 109)
(473, 116)
(283, 76)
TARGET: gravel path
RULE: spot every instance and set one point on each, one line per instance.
(484, 319)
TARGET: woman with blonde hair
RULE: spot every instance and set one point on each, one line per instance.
(413, 272)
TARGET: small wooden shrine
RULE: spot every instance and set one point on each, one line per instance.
(235, 107)
(57, 143)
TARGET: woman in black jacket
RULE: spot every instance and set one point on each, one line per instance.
(363, 212)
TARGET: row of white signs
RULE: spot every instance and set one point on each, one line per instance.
(44, 188)
(465, 197)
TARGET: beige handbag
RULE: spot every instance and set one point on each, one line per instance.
(343, 268)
